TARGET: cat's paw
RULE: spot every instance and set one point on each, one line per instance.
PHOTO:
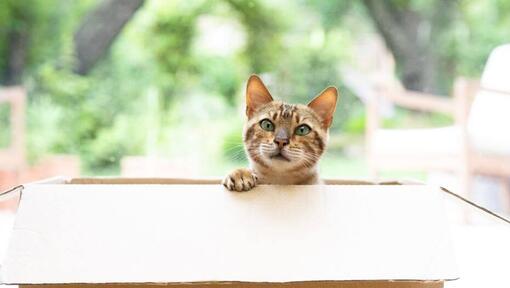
(241, 179)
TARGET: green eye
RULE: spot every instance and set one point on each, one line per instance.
(302, 130)
(267, 125)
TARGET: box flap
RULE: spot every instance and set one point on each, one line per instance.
(122, 233)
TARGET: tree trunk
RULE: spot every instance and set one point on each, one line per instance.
(16, 55)
(99, 29)
(412, 40)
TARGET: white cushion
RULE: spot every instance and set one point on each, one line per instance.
(489, 123)
(489, 118)
(444, 141)
(497, 70)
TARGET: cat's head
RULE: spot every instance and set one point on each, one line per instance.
(283, 136)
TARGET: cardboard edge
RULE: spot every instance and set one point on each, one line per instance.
(10, 193)
(477, 206)
(199, 181)
(311, 283)
(192, 181)
(244, 285)
(52, 180)
(156, 181)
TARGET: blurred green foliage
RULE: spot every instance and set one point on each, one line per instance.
(162, 92)
(5, 123)
(264, 29)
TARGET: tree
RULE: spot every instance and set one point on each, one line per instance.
(99, 29)
(16, 53)
(18, 19)
(25, 26)
(414, 37)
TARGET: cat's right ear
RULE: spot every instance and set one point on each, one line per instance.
(256, 95)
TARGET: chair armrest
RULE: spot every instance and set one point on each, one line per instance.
(464, 91)
(422, 101)
(12, 94)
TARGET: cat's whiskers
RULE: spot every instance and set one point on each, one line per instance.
(309, 160)
(234, 150)
(267, 149)
(299, 153)
(255, 153)
(293, 153)
(238, 155)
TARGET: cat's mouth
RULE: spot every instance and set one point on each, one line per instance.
(280, 156)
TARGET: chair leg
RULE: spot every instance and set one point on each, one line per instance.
(504, 189)
(373, 172)
(465, 189)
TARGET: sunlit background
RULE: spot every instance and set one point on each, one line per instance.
(155, 88)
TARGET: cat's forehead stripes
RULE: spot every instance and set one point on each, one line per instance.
(287, 110)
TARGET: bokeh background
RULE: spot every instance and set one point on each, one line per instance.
(156, 88)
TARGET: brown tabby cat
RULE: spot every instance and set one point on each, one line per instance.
(283, 141)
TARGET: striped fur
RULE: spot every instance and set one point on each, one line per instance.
(303, 152)
(280, 156)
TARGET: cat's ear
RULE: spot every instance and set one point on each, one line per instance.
(324, 105)
(256, 95)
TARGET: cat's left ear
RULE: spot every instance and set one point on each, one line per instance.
(324, 105)
(256, 95)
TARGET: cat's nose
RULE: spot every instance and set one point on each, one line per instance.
(281, 142)
(281, 138)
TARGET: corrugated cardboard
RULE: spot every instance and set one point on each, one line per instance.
(77, 234)
(311, 284)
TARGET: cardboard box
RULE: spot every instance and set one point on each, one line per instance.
(194, 233)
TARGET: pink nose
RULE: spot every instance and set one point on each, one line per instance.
(281, 142)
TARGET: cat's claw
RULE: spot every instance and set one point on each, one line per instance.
(240, 180)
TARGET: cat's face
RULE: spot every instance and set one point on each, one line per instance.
(286, 137)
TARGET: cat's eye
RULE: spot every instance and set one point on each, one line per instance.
(267, 125)
(302, 130)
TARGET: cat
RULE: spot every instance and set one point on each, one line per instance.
(283, 142)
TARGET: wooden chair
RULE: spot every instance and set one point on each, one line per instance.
(13, 157)
(477, 143)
